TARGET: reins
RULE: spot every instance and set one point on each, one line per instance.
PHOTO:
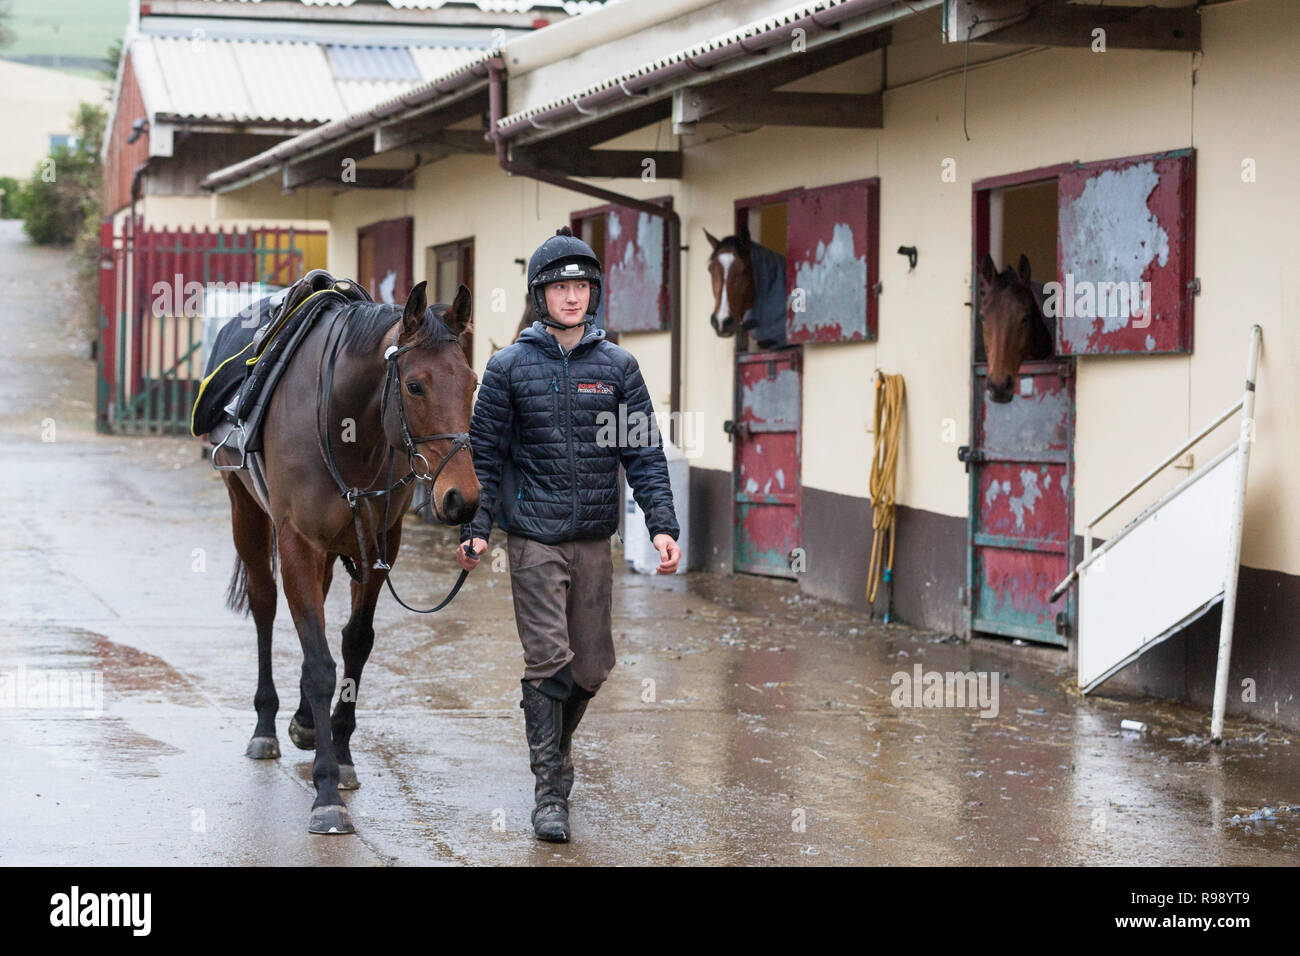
(354, 495)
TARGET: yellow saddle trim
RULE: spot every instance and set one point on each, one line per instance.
(252, 361)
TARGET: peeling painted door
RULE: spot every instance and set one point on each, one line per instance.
(384, 251)
(1125, 256)
(832, 254)
(1022, 504)
(767, 457)
(636, 265)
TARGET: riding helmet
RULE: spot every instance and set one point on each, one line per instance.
(563, 256)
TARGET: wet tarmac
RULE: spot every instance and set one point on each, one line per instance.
(744, 723)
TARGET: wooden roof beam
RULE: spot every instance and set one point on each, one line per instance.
(1033, 22)
(616, 163)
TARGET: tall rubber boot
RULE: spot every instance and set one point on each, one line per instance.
(574, 708)
(544, 723)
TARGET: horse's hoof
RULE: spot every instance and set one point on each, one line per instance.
(348, 777)
(304, 738)
(263, 748)
(330, 819)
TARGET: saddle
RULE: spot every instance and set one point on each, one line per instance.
(250, 354)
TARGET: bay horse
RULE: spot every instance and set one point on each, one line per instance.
(371, 388)
(1012, 323)
(732, 273)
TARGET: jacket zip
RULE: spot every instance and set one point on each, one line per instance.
(555, 402)
(573, 464)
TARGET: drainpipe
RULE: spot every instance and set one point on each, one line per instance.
(672, 225)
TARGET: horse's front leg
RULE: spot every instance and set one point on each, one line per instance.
(302, 565)
(358, 639)
(302, 726)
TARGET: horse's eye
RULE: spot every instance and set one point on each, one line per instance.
(415, 388)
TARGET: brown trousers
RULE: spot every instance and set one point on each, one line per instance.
(563, 596)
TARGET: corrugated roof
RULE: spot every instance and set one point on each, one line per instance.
(279, 82)
(571, 7)
(475, 69)
(372, 63)
(624, 79)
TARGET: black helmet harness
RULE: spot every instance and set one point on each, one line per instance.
(561, 258)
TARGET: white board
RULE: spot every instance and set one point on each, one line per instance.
(1159, 575)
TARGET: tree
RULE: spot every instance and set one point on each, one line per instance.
(109, 70)
(6, 31)
(64, 191)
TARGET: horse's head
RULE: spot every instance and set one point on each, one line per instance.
(436, 387)
(732, 273)
(1012, 324)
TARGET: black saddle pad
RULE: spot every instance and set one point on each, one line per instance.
(251, 351)
(225, 368)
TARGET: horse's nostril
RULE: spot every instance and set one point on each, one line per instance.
(452, 502)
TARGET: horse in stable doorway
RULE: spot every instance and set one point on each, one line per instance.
(1012, 324)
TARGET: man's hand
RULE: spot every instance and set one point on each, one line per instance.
(470, 562)
(669, 554)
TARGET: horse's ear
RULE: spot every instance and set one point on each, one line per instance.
(988, 271)
(1022, 269)
(743, 235)
(416, 303)
(713, 242)
(460, 311)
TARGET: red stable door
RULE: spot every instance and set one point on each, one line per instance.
(767, 441)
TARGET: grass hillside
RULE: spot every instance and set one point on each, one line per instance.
(65, 34)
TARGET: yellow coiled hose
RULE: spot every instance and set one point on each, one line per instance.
(884, 477)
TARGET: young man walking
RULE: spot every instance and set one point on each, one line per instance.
(557, 412)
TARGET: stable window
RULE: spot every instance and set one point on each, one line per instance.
(832, 262)
(1125, 256)
(1122, 281)
(633, 249)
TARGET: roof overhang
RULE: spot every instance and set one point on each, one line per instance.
(422, 116)
(770, 52)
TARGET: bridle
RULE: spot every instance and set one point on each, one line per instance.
(354, 495)
(392, 383)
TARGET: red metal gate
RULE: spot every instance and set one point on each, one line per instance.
(768, 452)
(155, 288)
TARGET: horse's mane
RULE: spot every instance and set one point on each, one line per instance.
(367, 324)
(733, 243)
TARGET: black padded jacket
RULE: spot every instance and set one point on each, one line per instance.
(548, 433)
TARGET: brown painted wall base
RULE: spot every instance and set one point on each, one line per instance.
(929, 563)
(930, 573)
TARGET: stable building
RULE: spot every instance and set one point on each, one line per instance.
(883, 149)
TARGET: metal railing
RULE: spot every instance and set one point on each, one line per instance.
(1241, 448)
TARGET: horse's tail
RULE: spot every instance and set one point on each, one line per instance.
(237, 591)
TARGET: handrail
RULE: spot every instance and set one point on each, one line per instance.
(1172, 457)
(1240, 448)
